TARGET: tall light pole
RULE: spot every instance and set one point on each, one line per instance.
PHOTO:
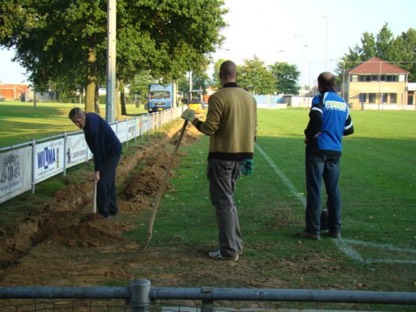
(326, 42)
(302, 76)
(111, 61)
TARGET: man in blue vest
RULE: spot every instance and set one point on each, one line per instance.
(106, 149)
(329, 121)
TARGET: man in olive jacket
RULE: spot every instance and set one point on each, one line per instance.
(231, 124)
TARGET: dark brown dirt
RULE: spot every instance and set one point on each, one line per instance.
(67, 244)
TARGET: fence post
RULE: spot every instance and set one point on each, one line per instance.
(127, 132)
(207, 304)
(65, 151)
(139, 299)
(33, 165)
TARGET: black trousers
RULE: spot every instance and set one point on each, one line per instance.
(106, 188)
(326, 168)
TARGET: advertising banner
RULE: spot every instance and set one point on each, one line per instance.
(15, 173)
(131, 129)
(146, 123)
(122, 131)
(48, 159)
(76, 150)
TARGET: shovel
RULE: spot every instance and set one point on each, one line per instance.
(162, 188)
(94, 210)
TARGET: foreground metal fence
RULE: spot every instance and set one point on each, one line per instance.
(140, 296)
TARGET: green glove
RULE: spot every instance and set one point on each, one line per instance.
(246, 166)
(188, 114)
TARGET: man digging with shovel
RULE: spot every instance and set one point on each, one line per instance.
(106, 148)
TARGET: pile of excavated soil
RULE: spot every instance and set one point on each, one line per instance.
(67, 222)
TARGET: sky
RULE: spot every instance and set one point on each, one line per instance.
(311, 34)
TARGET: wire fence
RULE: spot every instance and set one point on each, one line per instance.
(141, 297)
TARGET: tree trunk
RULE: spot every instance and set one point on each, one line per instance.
(34, 96)
(97, 100)
(91, 81)
(122, 98)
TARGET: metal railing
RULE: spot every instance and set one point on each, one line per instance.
(24, 165)
(140, 296)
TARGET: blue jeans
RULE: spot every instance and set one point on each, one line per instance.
(106, 187)
(222, 175)
(326, 167)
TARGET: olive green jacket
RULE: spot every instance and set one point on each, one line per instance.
(231, 123)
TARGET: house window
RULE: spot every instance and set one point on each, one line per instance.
(354, 78)
(393, 98)
(372, 98)
(384, 98)
(374, 77)
(363, 97)
(391, 78)
(383, 78)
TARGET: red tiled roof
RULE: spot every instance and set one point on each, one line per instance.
(376, 65)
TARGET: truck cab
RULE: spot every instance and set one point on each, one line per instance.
(161, 97)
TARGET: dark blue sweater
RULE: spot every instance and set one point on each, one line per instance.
(101, 139)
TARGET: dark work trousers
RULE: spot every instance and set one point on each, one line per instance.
(324, 167)
(222, 175)
(106, 188)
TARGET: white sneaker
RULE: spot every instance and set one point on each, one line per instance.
(217, 255)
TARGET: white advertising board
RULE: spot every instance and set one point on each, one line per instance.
(76, 150)
(15, 173)
(122, 131)
(49, 159)
(146, 123)
(131, 129)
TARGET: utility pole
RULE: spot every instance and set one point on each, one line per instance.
(111, 61)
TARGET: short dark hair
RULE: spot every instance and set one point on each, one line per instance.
(326, 80)
(228, 69)
(75, 113)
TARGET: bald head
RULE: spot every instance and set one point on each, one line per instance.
(228, 72)
(326, 81)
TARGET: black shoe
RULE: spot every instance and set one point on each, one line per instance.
(113, 213)
(307, 235)
(333, 234)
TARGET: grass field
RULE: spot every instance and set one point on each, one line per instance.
(21, 122)
(378, 186)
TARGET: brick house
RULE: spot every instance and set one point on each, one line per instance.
(12, 91)
(377, 84)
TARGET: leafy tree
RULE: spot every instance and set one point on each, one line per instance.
(56, 39)
(215, 80)
(286, 77)
(400, 51)
(254, 76)
(403, 52)
(139, 85)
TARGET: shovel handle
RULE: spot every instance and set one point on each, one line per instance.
(95, 198)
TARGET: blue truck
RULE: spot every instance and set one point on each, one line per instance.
(161, 97)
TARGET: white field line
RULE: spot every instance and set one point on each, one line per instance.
(282, 176)
(384, 247)
(343, 245)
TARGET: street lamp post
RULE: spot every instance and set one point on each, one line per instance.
(302, 75)
(326, 42)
